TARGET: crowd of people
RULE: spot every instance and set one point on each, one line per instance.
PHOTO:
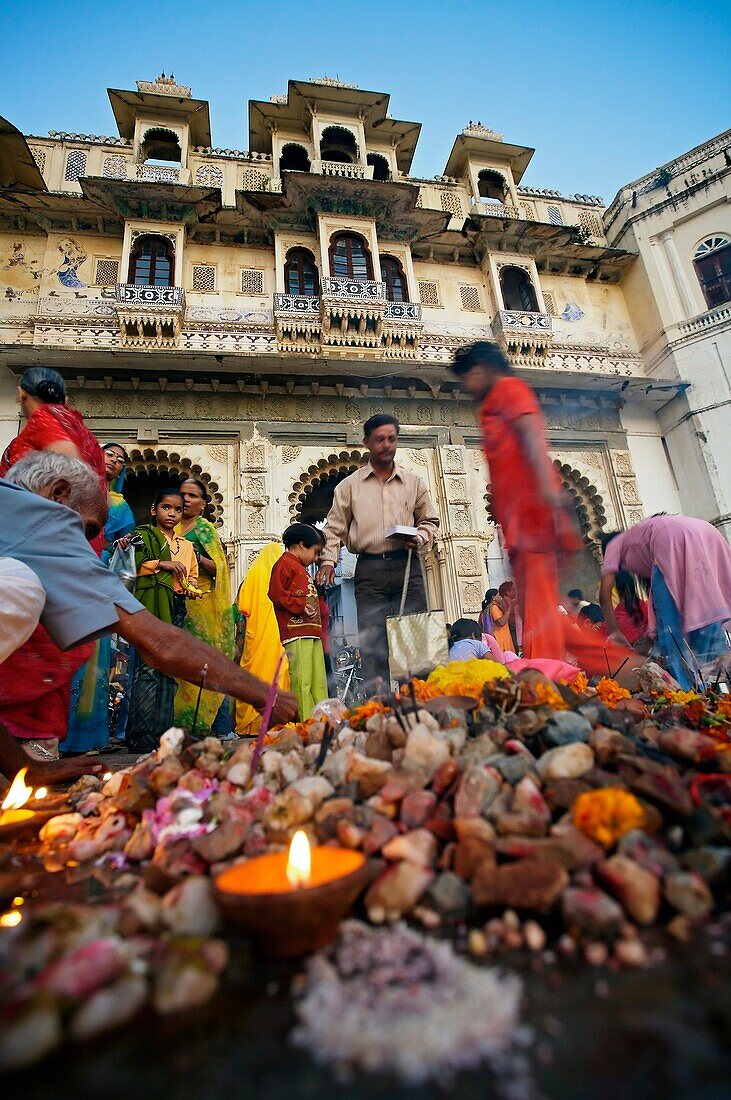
(204, 661)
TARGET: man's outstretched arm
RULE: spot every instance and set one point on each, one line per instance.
(179, 654)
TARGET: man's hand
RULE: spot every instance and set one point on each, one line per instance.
(285, 707)
(175, 567)
(325, 575)
(410, 542)
(124, 541)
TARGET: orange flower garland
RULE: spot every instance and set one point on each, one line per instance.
(579, 684)
(359, 715)
(547, 696)
(607, 814)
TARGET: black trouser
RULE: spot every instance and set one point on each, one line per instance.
(379, 582)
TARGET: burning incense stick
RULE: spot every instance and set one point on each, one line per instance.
(198, 701)
(265, 719)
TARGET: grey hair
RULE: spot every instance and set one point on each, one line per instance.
(39, 468)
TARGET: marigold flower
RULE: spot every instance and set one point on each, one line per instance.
(358, 716)
(579, 683)
(466, 677)
(682, 698)
(545, 695)
(607, 814)
(610, 692)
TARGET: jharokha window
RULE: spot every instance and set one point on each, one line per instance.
(517, 290)
(393, 276)
(300, 273)
(350, 258)
(151, 262)
(713, 267)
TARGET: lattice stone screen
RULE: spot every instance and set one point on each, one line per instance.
(204, 278)
(554, 215)
(39, 156)
(470, 296)
(550, 302)
(528, 210)
(252, 282)
(451, 203)
(106, 272)
(429, 294)
(591, 224)
(210, 175)
(75, 165)
(115, 167)
(254, 181)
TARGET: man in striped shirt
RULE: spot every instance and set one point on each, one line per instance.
(379, 496)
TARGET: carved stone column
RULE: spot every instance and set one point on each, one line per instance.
(463, 544)
(253, 504)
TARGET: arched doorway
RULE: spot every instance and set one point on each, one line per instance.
(149, 471)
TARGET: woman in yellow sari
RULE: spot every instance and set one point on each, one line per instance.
(210, 618)
(262, 647)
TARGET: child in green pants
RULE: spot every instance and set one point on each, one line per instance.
(297, 608)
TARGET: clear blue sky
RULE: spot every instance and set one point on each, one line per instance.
(603, 91)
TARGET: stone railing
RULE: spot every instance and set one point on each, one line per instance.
(156, 173)
(711, 319)
(525, 336)
(361, 290)
(403, 311)
(345, 171)
(498, 209)
(166, 297)
(305, 304)
(521, 321)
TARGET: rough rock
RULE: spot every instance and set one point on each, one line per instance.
(687, 892)
(648, 852)
(425, 752)
(637, 888)
(465, 827)
(449, 895)
(418, 846)
(477, 788)
(528, 884)
(288, 810)
(712, 863)
(688, 744)
(379, 834)
(314, 787)
(398, 888)
(379, 745)
(512, 768)
(574, 851)
(566, 762)
(417, 807)
(225, 840)
(370, 775)
(441, 821)
(469, 854)
(608, 744)
(666, 790)
(444, 777)
(560, 794)
(592, 911)
(566, 727)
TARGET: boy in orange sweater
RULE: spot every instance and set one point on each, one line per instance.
(297, 608)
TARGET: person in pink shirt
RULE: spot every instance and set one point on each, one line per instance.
(686, 565)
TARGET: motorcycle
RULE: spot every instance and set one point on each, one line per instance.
(348, 678)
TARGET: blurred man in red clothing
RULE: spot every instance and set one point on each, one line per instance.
(528, 503)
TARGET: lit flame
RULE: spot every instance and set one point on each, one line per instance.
(41, 792)
(18, 794)
(11, 919)
(299, 862)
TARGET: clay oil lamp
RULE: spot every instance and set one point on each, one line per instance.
(291, 903)
(23, 810)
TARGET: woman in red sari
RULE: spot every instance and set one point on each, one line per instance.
(35, 684)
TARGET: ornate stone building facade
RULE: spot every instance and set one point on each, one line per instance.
(240, 314)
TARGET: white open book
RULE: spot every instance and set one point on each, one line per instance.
(401, 532)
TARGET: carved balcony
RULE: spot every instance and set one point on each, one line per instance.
(353, 312)
(498, 209)
(526, 336)
(157, 173)
(150, 316)
(297, 322)
(402, 327)
(343, 170)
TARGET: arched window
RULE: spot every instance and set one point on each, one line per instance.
(151, 262)
(338, 144)
(350, 258)
(381, 167)
(713, 267)
(159, 144)
(294, 159)
(300, 273)
(491, 186)
(393, 276)
(517, 290)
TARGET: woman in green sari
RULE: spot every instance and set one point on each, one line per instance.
(210, 619)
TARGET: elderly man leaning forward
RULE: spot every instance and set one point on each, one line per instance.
(51, 505)
(381, 495)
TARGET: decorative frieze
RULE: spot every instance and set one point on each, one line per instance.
(150, 316)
